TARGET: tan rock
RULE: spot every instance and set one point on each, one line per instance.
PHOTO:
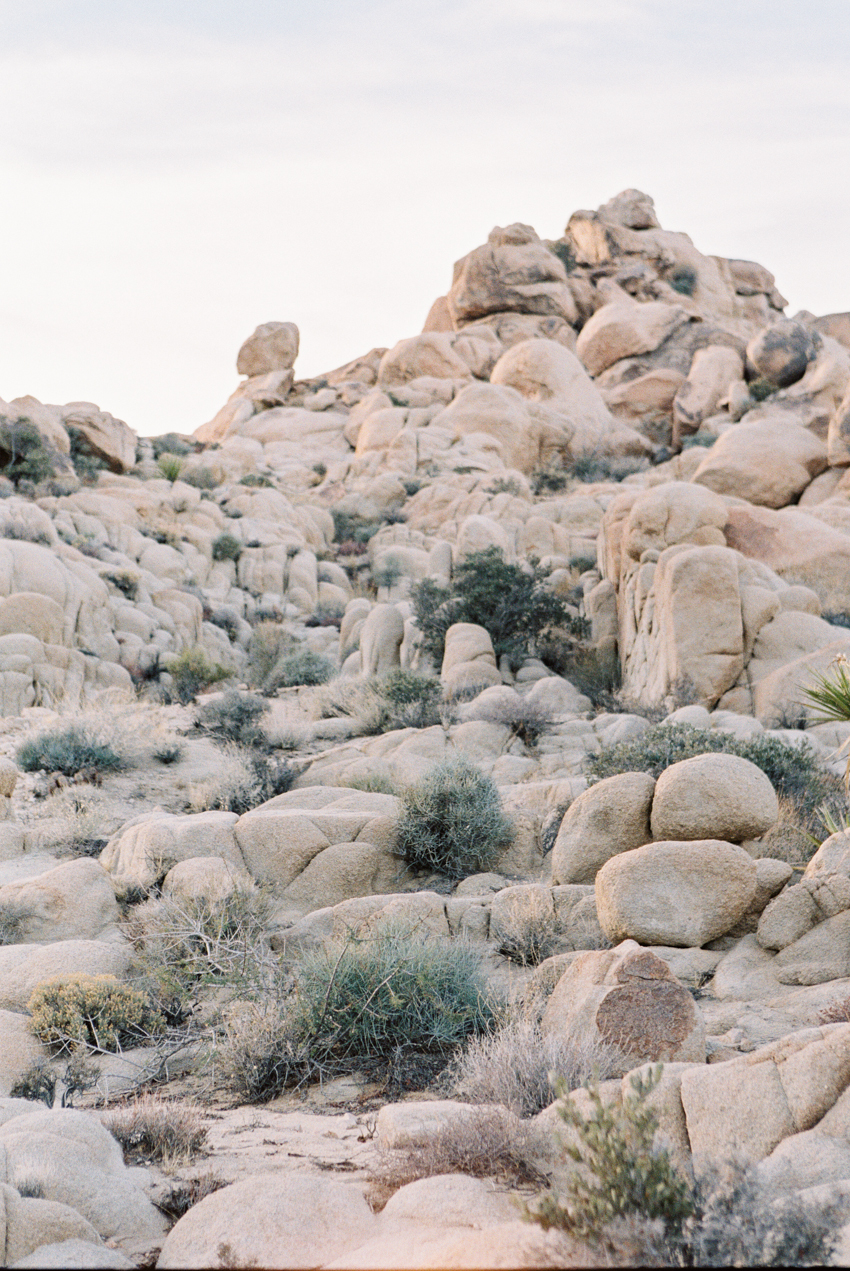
(272, 347)
(28, 613)
(74, 901)
(624, 329)
(285, 1219)
(19, 1050)
(671, 514)
(819, 955)
(380, 641)
(144, 852)
(713, 796)
(431, 353)
(677, 893)
(711, 373)
(611, 816)
(468, 658)
(107, 438)
(629, 998)
(24, 966)
(513, 272)
(767, 463)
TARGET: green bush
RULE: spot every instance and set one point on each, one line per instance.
(302, 667)
(234, 717)
(794, 771)
(452, 821)
(202, 479)
(396, 987)
(24, 454)
(68, 751)
(97, 1011)
(683, 279)
(414, 700)
(349, 528)
(760, 389)
(87, 465)
(191, 671)
(226, 547)
(257, 481)
(512, 603)
(170, 443)
(622, 1173)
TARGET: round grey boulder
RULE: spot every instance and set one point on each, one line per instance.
(713, 796)
(781, 352)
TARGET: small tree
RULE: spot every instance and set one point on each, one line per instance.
(513, 604)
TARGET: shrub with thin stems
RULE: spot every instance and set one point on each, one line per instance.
(527, 929)
(13, 919)
(452, 821)
(234, 717)
(45, 1079)
(154, 1129)
(517, 1065)
(184, 943)
(187, 1193)
(270, 641)
(97, 1011)
(245, 780)
(526, 720)
(795, 771)
(487, 1143)
(364, 996)
(68, 750)
(263, 1052)
(512, 603)
(201, 478)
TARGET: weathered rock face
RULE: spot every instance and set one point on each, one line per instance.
(608, 818)
(713, 796)
(469, 661)
(629, 998)
(623, 329)
(512, 272)
(767, 463)
(676, 893)
(74, 901)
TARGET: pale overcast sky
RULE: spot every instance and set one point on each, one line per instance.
(175, 172)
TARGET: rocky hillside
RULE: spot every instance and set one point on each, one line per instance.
(405, 733)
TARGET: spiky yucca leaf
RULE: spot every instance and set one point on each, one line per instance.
(831, 695)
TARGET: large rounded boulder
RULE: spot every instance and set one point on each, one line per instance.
(781, 352)
(675, 893)
(606, 819)
(713, 796)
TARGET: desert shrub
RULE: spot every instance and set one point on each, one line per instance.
(623, 1173)
(257, 480)
(234, 717)
(87, 465)
(594, 672)
(452, 821)
(601, 467)
(13, 917)
(187, 1193)
(125, 580)
(24, 532)
(737, 1223)
(526, 720)
(168, 752)
(77, 820)
(226, 547)
(191, 671)
(698, 439)
(838, 617)
(518, 1066)
(830, 694)
(550, 480)
(187, 942)
(301, 667)
(169, 443)
(395, 987)
(760, 389)
(413, 699)
(170, 465)
(270, 641)
(24, 454)
(683, 278)
(838, 1012)
(68, 750)
(370, 783)
(563, 250)
(246, 780)
(155, 1130)
(486, 1143)
(201, 479)
(511, 602)
(263, 1052)
(91, 1010)
(45, 1079)
(349, 528)
(325, 616)
(528, 929)
(795, 771)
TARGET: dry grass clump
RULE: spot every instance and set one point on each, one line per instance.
(486, 1143)
(243, 781)
(515, 1065)
(526, 720)
(184, 1195)
(528, 929)
(153, 1129)
(77, 819)
(13, 919)
(263, 1051)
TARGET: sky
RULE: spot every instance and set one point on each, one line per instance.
(173, 173)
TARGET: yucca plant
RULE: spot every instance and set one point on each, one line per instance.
(831, 695)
